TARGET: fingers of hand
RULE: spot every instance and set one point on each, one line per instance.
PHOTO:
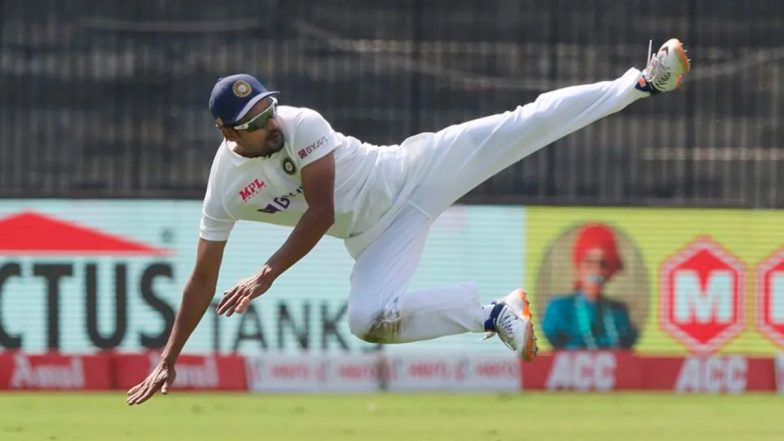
(238, 298)
(243, 305)
(135, 389)
(144, 393)
(146, 389)
(226, 297)
(234, 307)
(229, 300)
(230, 307)
(172, 375)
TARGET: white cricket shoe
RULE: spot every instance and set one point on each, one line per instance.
(665, 68)
(511, 319)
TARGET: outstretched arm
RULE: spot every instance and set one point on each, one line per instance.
(196, 297)
(318, 183)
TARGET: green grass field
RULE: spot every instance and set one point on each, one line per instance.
(485, 417)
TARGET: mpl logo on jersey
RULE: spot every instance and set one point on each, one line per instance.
(701, 291)
(68, 287)
(770, 298)
(252, 189)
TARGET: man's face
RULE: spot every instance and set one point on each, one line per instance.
(594, 271)
(262, 141)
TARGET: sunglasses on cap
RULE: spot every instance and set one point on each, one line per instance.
(260, 121)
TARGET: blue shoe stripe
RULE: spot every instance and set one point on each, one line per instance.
(648, 87)
(490, 322)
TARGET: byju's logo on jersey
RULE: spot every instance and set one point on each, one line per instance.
(303, 152)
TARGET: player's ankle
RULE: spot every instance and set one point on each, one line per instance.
(490, 313)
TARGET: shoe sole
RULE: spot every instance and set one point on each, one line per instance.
(682, 58)
(529, 350)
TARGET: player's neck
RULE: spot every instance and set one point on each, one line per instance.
(248, 152)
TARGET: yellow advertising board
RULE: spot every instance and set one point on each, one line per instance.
(664, 281)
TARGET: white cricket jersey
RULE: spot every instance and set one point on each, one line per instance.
(369, 180)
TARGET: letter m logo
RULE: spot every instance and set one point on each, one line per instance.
(701, 295)
(705, 299)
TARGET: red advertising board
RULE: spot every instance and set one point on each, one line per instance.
(565, 370)
(20, 371)
(194, 372)
(731, 374)
(606, 371)
(583, 371)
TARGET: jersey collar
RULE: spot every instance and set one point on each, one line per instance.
(236, 159)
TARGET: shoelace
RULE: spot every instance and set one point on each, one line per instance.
(660, 75)
(657, 74)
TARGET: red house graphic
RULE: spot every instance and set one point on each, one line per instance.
(31, 233)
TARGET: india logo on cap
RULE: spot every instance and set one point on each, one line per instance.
(241, 88)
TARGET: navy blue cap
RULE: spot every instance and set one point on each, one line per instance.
(233, 96)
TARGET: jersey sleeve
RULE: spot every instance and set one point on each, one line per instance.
(216, 222)
(214, 229)
(313, 138)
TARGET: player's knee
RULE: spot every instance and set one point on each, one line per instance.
(371, 326)
(359, 322)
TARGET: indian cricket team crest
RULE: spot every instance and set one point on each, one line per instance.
(289, 167)
(241, 88)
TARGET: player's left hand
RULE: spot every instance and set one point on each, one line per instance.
(238, 298)
(161, 378)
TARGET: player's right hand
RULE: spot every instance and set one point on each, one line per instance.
(161, 378)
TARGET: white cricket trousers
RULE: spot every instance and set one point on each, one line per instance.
(381, 308)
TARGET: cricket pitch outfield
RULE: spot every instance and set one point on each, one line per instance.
(394, 417)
